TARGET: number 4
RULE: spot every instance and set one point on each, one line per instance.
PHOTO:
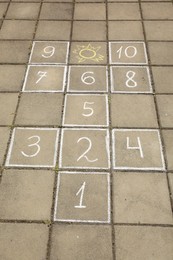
(139, 147)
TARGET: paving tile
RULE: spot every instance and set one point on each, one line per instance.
(23, 11)
(137, 149)
(26, 194)
(66, 1)
(126, 111)
(75, 242)
(17, 29)
(40, 109)
(130, 79)
(161, 53)
(123, 11)
(144, 242)
(82, 196)
(4, 136)
(168, 144)
(125, 30)
(88, 53)
(89, 1)
(3, 8)
(56, 11)
(53, 30)
(141, 198)
(11, 77)
(163, 79)
(90, 79)
(8, 103)
(85, 110)
(171, 184)
(165, 107)
(89, 30)
(45, 78)
(157, 11)
(127, 53)
(14, 51)
(49, 52)
(159, 30)
(87, 11)
(23, 241)
(80, 148)
(43, 154)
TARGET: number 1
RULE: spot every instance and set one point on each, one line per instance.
(81, 190)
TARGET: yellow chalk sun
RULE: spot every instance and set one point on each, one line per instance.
(88, 52)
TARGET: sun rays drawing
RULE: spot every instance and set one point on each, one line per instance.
(88, 52)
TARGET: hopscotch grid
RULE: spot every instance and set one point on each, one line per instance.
(7, 163)
(129, 63)
(83, 167)
(44, 91)
(87, 91)
(137, 168)
(113, 85)
(49, 63)
(78, 220)
(87, 125)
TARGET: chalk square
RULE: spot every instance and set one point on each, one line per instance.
(129, 52)
(141, 197)
(49, 52)
(45, 78)
(81, 242)
(86, 79)
(138, 149)
(33, 147)
(82, 192)
(88, 53)
(85, 110)
(130, 79)
(26, 194)
(84, 149)
(4, 136)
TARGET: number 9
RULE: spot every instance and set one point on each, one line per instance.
(48, 52)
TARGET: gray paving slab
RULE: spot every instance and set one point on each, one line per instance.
(79, 239)
(137, 242)
(23, 241)
(23, 11)
(26, 195)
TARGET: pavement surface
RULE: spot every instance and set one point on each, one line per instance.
(86, 130)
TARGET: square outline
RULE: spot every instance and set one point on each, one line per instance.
(30, 165)
(130, 92)
(87, 91)
(78, 220)
(44, 91)
(84, 129)
(134, 63)
(137, 168)
(49, 63)
(107, 110)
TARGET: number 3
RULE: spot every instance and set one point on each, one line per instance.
(34, 144)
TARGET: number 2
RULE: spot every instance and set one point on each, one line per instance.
(87, 150)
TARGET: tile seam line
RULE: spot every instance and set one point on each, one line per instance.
(110, 139)
(5, 13)
(156, 106)
(49, 244)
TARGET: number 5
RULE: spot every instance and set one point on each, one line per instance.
(85, 107)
